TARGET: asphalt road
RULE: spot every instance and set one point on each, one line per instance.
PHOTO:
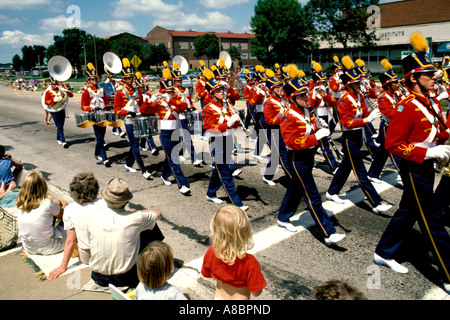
(292, 263)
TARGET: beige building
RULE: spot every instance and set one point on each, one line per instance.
(182, 43)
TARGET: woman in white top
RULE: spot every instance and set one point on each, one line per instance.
(36, 216)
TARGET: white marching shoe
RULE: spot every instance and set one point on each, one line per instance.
(390, 263)
(197, 163)
(166, 182)
(146, 174)
(244, 208)
(184, 189)
(269, 182)
(236, 172)
(334, 238)
(214, 199)
(132, 170)
(287, 225)
(375, 180)
(381, 208)
(334, 198)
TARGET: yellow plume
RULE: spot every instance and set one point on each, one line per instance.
(138, 75)
(312, 62)
(165, 64)
(202, 63)
(277, 66)
(246, 71)
(90, 66)
(208, 74)
(166, 74)
(418, 42)
(270, 73)
(284, 69)
(348, 62)
(386, 64)
(293, 71)
(360, 63)
(301, 73)
(126, 63)
(335, 59)
(213, 68)
(175, 66)
(222, 63)
(317, 67)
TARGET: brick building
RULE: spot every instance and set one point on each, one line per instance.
(398, 20)
(181, 43)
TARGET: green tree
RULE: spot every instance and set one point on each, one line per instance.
(207, 45)
(343, 21)
(283, 30)
(126, 48)
(17, 62)
(95, 49)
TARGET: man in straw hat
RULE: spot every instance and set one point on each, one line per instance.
(417, 134)
(116, 236)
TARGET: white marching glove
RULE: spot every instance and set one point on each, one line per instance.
(232, 120)
(438, 152)
(323, 123)
(57, 99)
(322, 133)
(154, 98)
(375, 114)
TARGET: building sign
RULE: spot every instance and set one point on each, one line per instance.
(390, 35)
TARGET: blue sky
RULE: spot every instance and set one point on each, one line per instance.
(35, 22)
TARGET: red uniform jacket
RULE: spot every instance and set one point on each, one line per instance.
(410, 125)
(87, 101)
(274, 108)
(180, 91)
(50, 95)
(258, 97)
(351, 114)
(336, 84)
(158, 107)
(248, 91)
(121, 100)
(387, 102)
(315, 101)
(215, 121)
(200, 88)
(298, 128)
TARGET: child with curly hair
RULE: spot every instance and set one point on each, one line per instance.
(237, 273)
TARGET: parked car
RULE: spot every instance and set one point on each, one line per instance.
(110, 91)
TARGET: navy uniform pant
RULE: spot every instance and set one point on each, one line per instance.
(417, 205)
(186, 140)
(369, 131)
(221, 149)
(170, 143)
(278, 154)
(380, 157)
(334, 120)
(59, 119)
(100, 150)
(133, 154)
(302, 185)
(352, 142)
(250, 116)
(261, 129)
(326, 150)
(442, 194)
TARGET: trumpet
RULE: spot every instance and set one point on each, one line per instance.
(402, 90)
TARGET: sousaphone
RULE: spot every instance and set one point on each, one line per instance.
(59, 69)
(182, 64)
(112, 62)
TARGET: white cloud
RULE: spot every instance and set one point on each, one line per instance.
(18, 39)
(221, 4)
(8, 20)
(99, 28)
(23, 4)
(181, 21)
(129, 8)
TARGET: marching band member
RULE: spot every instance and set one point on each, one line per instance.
(320, 100)
(338, 89)
(52, 96)
(387, 102)
(127, 102)
(185, 96)
(248, 91)
(416, 134)
(285, 75)
(353, 115)
(168, 106)
(110, 78)
(219, 123)
(278, 71)
(274, 108)
(146, 97)
(301, 134)
(200, 89)
(257, 99)
(95, 99)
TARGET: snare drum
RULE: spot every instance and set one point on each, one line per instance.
(140, 127)
(114, 120)
(153, 125)
(101, 118)
(84, 119)
(198, 122)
